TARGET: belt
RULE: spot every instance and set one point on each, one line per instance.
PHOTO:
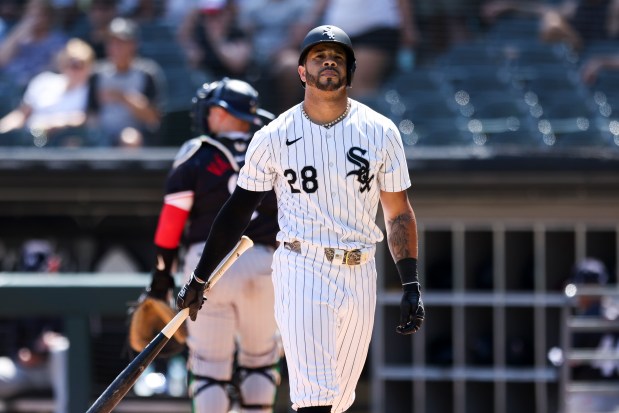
(336, 256)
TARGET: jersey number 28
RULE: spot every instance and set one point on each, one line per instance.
(309, 183)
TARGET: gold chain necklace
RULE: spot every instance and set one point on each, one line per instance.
(333, 122)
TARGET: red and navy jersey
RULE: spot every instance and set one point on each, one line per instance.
(205, 171)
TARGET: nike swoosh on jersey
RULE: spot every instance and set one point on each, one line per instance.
(288, 143)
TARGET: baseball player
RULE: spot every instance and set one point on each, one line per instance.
(330, 160)
(240, 311)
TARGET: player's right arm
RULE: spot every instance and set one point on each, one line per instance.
(228, 227)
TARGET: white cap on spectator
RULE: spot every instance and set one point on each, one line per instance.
(124, 29)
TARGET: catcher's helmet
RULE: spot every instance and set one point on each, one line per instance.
(236, 96)
(330, 34)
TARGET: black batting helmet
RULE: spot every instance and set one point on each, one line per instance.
(237, 97)
(330, 34)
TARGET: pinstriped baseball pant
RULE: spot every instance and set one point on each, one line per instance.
(325, 314)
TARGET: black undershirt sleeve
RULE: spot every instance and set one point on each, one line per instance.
(228, 227)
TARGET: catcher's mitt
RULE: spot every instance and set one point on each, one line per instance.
(147, 318)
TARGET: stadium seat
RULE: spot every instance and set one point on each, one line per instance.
(561, 106)
(607, 83)
(467, 54)
(609, 129)
(430, 132)
(527, 53)
(575, 139)
(513, 30)
(547, 79)
(421, 106)
(417, 80)
(505, 126)
(499, 106)
(158, 30)
(182, 84)
(10, 95)
(598, 48)
(476, 79)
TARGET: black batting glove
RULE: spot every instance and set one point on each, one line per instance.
(412, 312)
(162, 281)
(192, 296)
(161, 284)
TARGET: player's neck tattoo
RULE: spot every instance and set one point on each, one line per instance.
(333, 122)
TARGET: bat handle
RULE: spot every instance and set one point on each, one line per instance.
(175, 323)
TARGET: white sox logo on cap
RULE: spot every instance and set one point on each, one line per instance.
(328, 31)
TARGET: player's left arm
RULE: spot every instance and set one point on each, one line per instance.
(177, 204)
(228, 227)
(401, 228)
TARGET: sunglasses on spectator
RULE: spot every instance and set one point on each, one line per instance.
(76, 64)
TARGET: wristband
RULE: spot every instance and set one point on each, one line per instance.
(197, 279)
(407, 269)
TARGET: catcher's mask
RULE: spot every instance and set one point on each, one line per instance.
(330, 34)
(147, 318)
(237, 97)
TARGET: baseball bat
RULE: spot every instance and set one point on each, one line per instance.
(127, 378)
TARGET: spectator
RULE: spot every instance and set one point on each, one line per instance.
(127, 91)
(573, 22)
(176, 11)
(67, 13)
(94, 26)
(53, 108)
(378, 29)
(445, 22)
(10, 13)
(30, 47)
(212, 40)
(273, 27)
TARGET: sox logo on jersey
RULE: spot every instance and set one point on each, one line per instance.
(363, 173)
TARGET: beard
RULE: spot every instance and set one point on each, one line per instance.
(328, 85)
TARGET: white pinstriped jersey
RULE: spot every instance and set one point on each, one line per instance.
(327, 181)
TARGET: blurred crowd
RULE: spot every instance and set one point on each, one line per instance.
(107, 73)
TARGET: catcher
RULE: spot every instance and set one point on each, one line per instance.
(234, 344)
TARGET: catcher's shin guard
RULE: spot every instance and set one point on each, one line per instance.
(209, 394)
(258, 386)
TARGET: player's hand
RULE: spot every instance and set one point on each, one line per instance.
(191, 296)
(412, 312)
(160, 285)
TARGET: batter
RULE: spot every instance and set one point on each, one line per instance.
(330, 160)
